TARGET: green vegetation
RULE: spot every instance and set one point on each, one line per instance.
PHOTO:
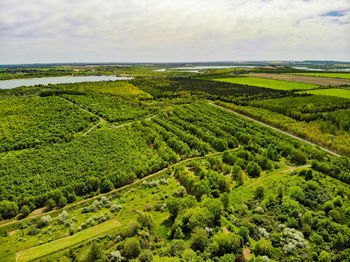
(151, 170)
(345, 93)
(336, 75)
(267, 83)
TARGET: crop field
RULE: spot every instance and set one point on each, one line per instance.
(344, 93)
(267, 83)
(313, 80)
(335, 75)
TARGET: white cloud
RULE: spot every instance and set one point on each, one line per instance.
(166, 30)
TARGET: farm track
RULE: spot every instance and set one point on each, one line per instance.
(322, 81)
(137, 181)
(276, 129)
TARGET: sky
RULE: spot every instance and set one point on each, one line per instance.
(51, 31)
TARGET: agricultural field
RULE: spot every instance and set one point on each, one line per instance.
(163, 169)
(345, 93)
(267, 83)
(307, 79)
(335, 75)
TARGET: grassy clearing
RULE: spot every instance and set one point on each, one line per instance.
(267, 83)
(335, 75)
(330, 92)
(54, 246)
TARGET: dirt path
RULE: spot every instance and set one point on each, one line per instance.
(128, 124)
(276, 129)
(291, 168)
(315, 80)
(89, 112)
(36, 214)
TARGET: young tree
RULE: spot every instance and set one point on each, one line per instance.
(8, 209)
(25, 210)
(199, 239)
(132, 247)
(253, 169)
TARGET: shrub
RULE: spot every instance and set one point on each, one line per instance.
(132, 247)
(106, 186)
(263, 247)
(324, 257)
(146, 256)
(253, 169)
(95, 253)
(62, 201)
(50, 204)
(199, 239)
(115, 207)
(225, 243)
(244, 233)
(44, 221)
(145, 220)
(8, 209)
(63, 216)
(177, 247)
(25, 210)
(260, 192)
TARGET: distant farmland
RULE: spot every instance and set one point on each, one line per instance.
(330, 92)
(267, 83)
(308, 79)
(332, 75)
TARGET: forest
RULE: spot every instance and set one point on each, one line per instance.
(161, 168)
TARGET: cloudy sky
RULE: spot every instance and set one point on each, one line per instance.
(38, 31)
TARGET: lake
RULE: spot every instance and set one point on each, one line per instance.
(13, 83)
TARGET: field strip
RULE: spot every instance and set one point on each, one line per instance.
(128, 124)
(62, 243)
(315, 80)
(137, 181)
(276, 129)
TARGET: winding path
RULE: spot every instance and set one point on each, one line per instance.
(276, 129)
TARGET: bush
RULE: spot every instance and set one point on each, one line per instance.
(50, 204)
(263, 247)
(8, 209)
(253, 169)
(106, 186)
(298, 157)
(324, 257)
(146, 256)
(94, 254)
(244, 233)
(25, 210)
(260, 192)
(132, 247)
(177, 247)
(62, 202)
(146, 220)
(199, 239)
(44, 221)
(225, 243)
(115, 207)
(63, 216)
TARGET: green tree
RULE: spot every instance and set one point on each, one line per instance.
(8, 209)
(50, 204)
(146, 256)
(260, 192)
(199, 239)
(132, 247)
(324, 257)
(145, 220)
(263, 247)
(95, 253)
(106, 186)
(62, 202)
(25, 210)
(253, 169)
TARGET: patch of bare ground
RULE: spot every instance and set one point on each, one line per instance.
(246, 253)
(315, 80)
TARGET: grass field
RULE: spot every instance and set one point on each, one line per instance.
(54, 246)
(330, 92)
(335, 75)
(267, 83)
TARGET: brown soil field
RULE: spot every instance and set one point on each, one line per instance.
(322, 81)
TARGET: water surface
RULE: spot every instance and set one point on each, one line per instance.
(13, 83)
